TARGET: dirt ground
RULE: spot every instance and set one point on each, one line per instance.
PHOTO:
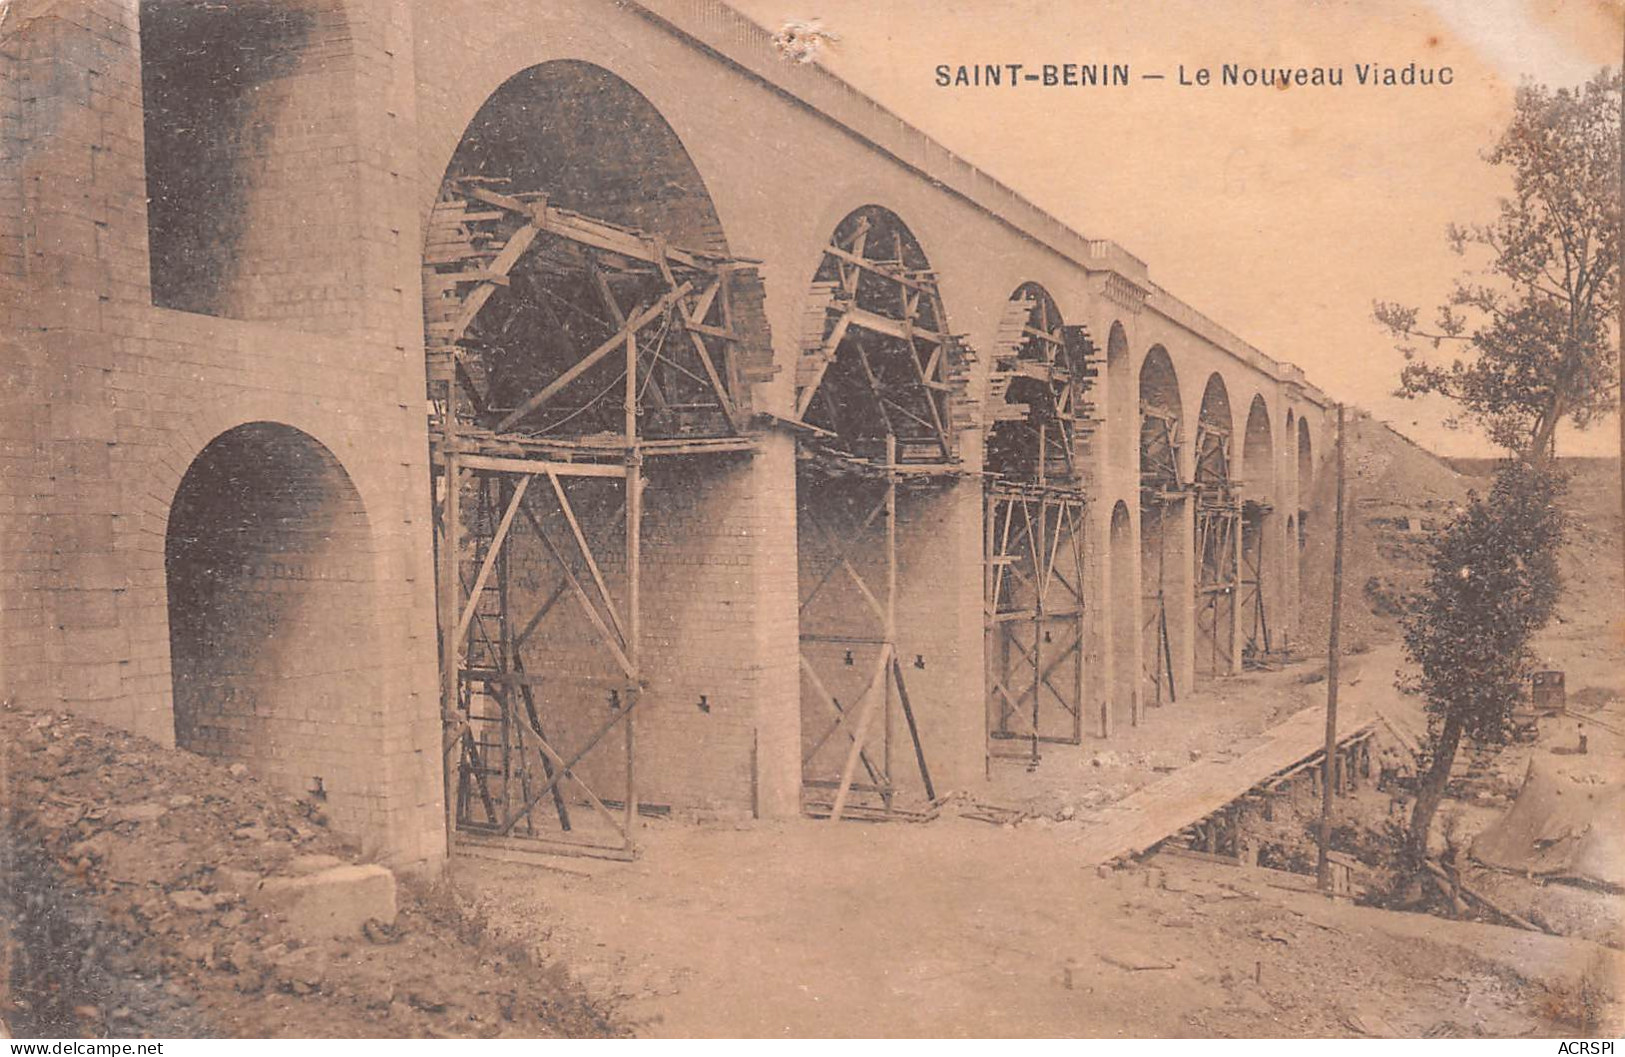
(961, 929)
(957, 927)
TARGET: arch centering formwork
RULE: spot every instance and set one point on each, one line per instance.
(1034, 525)
(1261, 626)
(880, 387)
(1218, 532)
(1164, 528)
(591, 352)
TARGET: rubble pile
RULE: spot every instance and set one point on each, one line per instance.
(150, 891)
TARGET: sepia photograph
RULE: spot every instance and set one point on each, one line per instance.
(908, 519)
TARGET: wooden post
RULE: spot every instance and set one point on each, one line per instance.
(991, 550)
(879, 687)
(1082, 560)
(891, 604)
(634, 623)
(450, 603)
(1233, 572)
(1333, 657)
(505, 667)
(634, 606)
(1038, 542)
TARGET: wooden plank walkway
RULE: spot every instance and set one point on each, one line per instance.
(1163, 808)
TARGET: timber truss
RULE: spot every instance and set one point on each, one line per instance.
(876, 361)
(563, 351)
(1038, 395)
(850, 668)
(1218, 541)
(1161, 486)
(1033, 581)
(537, 318)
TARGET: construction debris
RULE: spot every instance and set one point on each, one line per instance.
(149, 892)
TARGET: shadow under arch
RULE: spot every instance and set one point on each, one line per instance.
(880, 361)
(1119, 396)
(233, 94)
(585, 329)
(592, 143)
(1306, 464)
(269, 565)
(1218, 519)
(1165, 541)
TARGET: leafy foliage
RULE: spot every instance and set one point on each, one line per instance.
(1536, 327)
(1494, 582)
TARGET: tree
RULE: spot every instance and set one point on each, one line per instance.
(1493, 584)
(1535, 331)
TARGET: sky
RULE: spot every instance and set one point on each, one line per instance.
(1281, 215)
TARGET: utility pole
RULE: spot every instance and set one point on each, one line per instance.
(1333, 656)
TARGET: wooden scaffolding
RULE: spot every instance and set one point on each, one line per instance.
(880, 398)
(1259, 641)
(563, 353)
(1034, 564)
(1218, 539)
(1162, 487)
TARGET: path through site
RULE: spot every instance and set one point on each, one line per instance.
(961, 927)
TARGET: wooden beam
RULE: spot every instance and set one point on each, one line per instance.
(611, 639)
(865, 717)
(497, 540)
(581, 366)
(872, 267)
(586, 553)
(565, 766)
(832, 344)
(503, 464)
(890, 327)
(517, 244)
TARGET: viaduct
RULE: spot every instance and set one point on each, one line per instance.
(564, 410)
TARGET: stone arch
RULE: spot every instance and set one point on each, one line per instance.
(1215, 427)
(1262, 592)
(270, 576)
(240, 102)
(1257, 450)
(1030, 435)
(1218, 529)
(1292, 588)
(1306, 463)
(1165, 541)
(593, 144)
(574, 136)
(857, 381)
(1119, 397)
(1293, 490)
(616, 311)
(1160, 412)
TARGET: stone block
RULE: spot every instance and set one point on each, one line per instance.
(334, 901)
